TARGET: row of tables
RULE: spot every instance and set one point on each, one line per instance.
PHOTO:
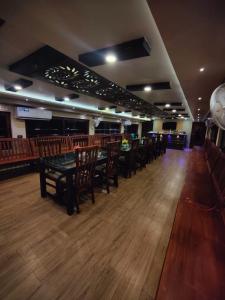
(65, 165)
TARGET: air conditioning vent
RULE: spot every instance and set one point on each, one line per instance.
(33, 113)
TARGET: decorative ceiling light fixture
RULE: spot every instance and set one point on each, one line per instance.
(147, 88)
(167, 105)
(110, 58)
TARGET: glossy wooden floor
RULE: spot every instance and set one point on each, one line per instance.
(194, 268)
(114, 249)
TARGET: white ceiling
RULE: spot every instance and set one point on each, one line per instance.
(75, 27)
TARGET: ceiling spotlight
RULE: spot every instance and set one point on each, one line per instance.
(202, 69)
(66, 98)
(26, 99)
(198, 109)
(110, 58)
(182, 117)
(174, 110)
(17, 87)
(199, 98)
(147, 88)
(167, 105)
(179, 115)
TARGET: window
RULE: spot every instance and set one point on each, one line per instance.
(56, 126)
(108, 127)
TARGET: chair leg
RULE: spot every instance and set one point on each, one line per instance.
(107, 185)
(92, 194)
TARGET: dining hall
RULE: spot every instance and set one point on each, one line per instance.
(112, 150)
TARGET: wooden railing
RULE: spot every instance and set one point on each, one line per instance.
(13, 150)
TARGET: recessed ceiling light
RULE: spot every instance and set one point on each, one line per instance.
(66, 98)
(26, 99)
(110, 58)
(202, 69)
(182, 117)
(147, 88)
(198, 109)
(199, 98)
(174, 110)
(107, 108)
(17, 87)
(167, 105)
(179, 115)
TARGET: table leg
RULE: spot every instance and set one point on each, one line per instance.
(69, 194)
(43, 181)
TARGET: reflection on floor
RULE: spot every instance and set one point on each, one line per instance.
(195, 262)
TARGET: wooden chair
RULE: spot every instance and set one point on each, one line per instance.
(48, 148)
(110, 169)
(79, 141)
(128, 160)
(86, 158)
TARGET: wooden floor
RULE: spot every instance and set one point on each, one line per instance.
(194, 268)
(114, 249)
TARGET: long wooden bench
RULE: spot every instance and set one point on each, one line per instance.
(216, 165)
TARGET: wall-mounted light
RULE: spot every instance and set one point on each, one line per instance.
(147, 88)
(110, 58)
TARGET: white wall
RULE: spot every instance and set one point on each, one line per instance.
(157, 125)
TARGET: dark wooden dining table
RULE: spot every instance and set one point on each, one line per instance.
(65, 165)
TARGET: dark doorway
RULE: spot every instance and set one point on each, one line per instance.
(5, 126)
(197, 134)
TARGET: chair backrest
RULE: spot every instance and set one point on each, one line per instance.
(113, 151)
(104, 140)
(49, 147)
(135, 144)
(86, 158)
(14, 148)
(81, 141)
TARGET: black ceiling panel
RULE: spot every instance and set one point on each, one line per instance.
(124, 51)
(24, 83)
(52, 66)
(155, 86)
